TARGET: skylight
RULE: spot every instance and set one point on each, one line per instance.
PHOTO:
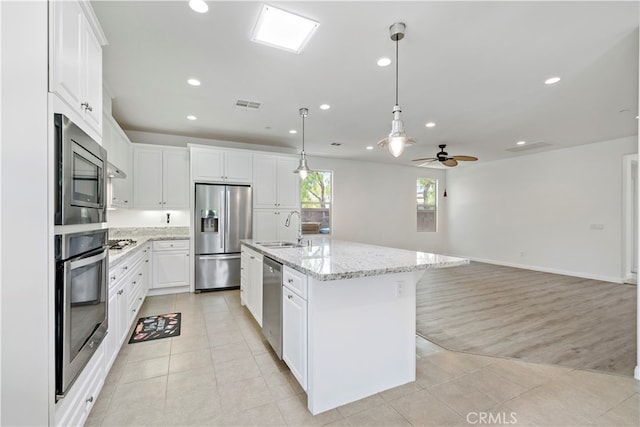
(283, 30)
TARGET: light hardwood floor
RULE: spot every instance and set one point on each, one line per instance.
(529, 315)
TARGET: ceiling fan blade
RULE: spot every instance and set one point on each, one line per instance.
(465, 158)
(450, 162)
(425, 159)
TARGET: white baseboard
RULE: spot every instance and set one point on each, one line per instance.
(166, 291)
(612, 279)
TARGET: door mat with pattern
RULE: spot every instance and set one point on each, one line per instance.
(156, 327)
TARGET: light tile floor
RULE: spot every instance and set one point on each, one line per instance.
(221, 372)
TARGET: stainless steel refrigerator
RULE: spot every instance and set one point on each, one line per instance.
(222, 217)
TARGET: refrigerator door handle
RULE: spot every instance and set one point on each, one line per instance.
(217, 257)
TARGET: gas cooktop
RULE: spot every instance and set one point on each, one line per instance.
(121, 243)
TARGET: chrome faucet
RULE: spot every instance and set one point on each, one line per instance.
(287, 223)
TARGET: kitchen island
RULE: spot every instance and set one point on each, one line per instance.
(360, 311)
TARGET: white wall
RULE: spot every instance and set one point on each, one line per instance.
(147, 218)
(26, 334)
(536, 211)
(376, 203)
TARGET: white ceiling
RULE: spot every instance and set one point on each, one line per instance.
(475, 68)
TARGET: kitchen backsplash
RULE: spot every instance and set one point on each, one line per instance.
(126, 232)
(121, 218)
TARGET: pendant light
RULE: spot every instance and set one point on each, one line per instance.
(303, 168)
(397, 139)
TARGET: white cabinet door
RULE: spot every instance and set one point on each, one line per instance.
(288, 184)
(92, 79)
(147, 178)
(294, 334)
(112, 340)
(175, 182)
(244, 274)
(255, 286)
(238, 167)
(265, 224)
(67, 52)
(170, 268)
(264, 181)
(208, 165)
(122, 316)
(76, 63)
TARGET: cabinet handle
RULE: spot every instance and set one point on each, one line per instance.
(140, 299)
(290, 296)
(252, 257)
(86, 106)
(139, 274)
(125, 267)
(159, 203)
(290, 280)
(146, 260)
(90, 400)
(120, 292)
(113, 277)
(134, 282)
(126, 201)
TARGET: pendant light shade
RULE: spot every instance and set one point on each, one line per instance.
(397, 139)
(303, 169)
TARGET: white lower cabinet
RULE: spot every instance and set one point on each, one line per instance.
(294, 324)
(251, 265)
(74, 409)
(170, 266)
(128, 284)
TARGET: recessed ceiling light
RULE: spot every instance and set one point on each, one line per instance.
(521, 142)
(192, 117)
(383, 62)
(325, 106)
(430, 124)
(194, 82)
(552, 80)
(283, 30)
(369, 148)
(199, 6)
(293, 131)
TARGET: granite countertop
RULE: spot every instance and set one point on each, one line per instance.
(142, 235)
(329, 259)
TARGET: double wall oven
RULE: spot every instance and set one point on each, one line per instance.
(81, 251)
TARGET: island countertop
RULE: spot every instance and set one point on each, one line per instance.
(331, 259)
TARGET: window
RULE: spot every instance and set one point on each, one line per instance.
(315, 200)
(427, 204)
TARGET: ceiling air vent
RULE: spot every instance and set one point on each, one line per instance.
(527, 147)
(250, 105)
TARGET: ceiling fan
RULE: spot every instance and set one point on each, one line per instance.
(444, 158)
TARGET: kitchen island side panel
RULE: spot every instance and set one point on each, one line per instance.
(361, 337)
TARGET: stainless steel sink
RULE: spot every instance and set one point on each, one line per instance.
(277, 245)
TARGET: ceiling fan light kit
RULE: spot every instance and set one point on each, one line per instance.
(397, 139)
(303, 168)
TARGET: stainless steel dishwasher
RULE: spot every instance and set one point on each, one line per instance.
(272, 303)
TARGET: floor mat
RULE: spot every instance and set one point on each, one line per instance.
(156, 327)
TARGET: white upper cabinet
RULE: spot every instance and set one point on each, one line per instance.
(215, 165)
(274, 184)
(76, 62)
(118, 147)
(160, 178)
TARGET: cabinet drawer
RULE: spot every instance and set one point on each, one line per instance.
(295, 281)
(170, 245)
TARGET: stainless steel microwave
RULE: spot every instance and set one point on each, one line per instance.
(80, 186)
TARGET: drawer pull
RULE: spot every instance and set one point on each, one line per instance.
(125, 267)
(90, 400)
(290, 280)
(139, 274)
(113, 277)
(120, 292)
(146, 260)
(290, 296)
(134, 282)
